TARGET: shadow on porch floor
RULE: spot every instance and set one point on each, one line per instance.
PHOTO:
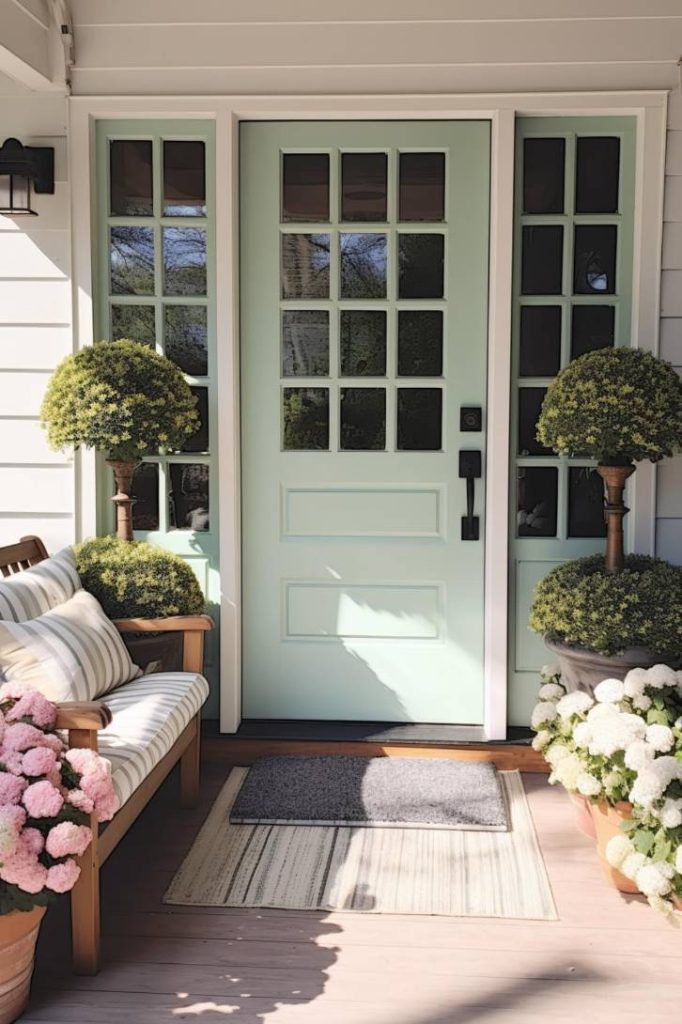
(609, 958)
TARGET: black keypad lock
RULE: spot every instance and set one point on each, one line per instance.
(471, 418)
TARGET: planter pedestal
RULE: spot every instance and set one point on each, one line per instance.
(123, 475)
(18, 937)
(607, 821)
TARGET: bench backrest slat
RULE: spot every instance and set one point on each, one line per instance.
(17, 557)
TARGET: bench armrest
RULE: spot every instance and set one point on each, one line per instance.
(172, 624)
(83, 714)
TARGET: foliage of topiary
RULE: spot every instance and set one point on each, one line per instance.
(641, 606)
(616, 405)
(121, 397)
(133, 579)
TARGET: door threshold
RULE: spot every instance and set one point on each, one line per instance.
(428, 734)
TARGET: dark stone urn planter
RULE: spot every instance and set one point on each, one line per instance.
(582, 669)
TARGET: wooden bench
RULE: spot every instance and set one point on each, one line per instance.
(83, 721)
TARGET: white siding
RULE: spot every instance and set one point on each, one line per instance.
(669, 503)
(37, 486)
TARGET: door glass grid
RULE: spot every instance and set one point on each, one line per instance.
(573, 241)
(362, 300)
(156, 287)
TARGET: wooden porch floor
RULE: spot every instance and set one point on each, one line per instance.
(608, 959)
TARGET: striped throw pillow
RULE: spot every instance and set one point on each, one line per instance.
(35, 591)
(73, 652)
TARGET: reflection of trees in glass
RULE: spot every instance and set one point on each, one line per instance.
(363, 266)
(199, 442)
(185, 338)
(134, 322)
(184, 261)
(146, 494)
(363, 419)
(536, 501)
(305, 266)
(132, 260)
(585, 503)
(420, 343)
(305, 343)
(419, 419)
(363, 342)
(420, 260)
(305, 414)
(189, 496)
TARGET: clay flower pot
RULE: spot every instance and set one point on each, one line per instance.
(607, 821)
(582, 669)
(18, 937)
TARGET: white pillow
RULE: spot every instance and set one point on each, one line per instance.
(37, 590)
(73, 652)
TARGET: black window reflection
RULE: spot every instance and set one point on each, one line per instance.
(536, 501)
(189, 497)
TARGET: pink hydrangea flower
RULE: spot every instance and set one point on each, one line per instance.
(68, 840)
(43, 800)
(34, 840)
(11, 788)
(12, 760)
(12, 819)
(22, 867)
(2, 726)
(13, 691)
(82, 760)
(35, 706)
(39, 761)
(62, 877)
(20, 736)
(77, 798)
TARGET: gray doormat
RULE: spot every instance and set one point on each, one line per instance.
(383, 791)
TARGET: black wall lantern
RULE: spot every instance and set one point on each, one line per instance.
(20, 167)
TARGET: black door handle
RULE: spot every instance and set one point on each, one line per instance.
(470, 470)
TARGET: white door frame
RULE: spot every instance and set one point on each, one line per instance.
(649, 107)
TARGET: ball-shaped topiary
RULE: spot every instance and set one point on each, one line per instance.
(616, 405)
(641, 606)
(134, 579)
(121, 397)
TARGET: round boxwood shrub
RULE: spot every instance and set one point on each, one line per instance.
(121, 397)
(133, 579)
(616, 405)
(641, 606)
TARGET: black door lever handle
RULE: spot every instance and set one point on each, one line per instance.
(470, 469)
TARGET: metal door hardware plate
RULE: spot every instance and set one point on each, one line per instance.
(470, 418)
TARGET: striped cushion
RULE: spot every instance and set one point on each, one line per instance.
(71, 653)
(34, 591)
(148, 716)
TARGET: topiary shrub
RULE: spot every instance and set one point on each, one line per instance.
(120, 397)
(133, 579)
(615, 405)
(641, 606)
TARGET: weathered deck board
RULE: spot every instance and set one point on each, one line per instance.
(609, 958)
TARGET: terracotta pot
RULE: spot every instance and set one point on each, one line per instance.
(583, 815)
(18, 937)
(607, 821)
(582, 669)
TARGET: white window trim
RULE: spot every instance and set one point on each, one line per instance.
(648, 107)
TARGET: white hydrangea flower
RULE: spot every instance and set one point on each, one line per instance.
(615, 732)
(678, 860)
(660, 737)
(659, 676)
(660, 905)
(653, 780)
(582, 734)
(617, 849)
(550, 671)
(588, 785)
(557, 752)
(632, 865)
(575, 703)
(543, 712)
(600, 711)
(541, 740)
(651, 881)
(678, 722)
(670, 813)
(568, 771)
(609, 691)
(635, 682)
(666, 869)
(638, 755)
(642, 703)
(551, 691)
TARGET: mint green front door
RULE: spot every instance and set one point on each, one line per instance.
(364, 268)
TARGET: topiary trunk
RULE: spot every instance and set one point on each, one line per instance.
(123, 475)
(614, 478)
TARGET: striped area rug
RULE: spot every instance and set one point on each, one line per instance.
(369, 870)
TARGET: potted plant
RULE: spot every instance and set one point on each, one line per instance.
(134, 579)
(48, 794)
(618, 406)
(621, 750)
(123, 398)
